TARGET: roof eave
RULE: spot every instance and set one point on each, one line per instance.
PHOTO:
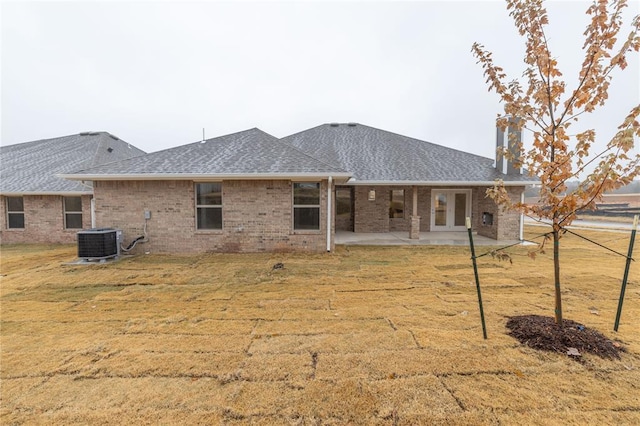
(205, 176)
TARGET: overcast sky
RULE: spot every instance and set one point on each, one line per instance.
(156, 73)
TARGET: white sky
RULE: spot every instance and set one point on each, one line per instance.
(156, 73)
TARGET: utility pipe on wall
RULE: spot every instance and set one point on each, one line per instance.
(522, 218)
(93, 213)
(329, 184)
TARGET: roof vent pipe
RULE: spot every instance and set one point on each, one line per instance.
(334, 124)
(352, 124)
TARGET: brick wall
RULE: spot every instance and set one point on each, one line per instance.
(506, 225)
(373, 216)
(424, 208)
(43, 221)
(257, 216)
(484, 205)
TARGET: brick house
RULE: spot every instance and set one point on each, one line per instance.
(250, 191)
(35, 204)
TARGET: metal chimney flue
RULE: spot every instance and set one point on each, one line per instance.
(510, 138)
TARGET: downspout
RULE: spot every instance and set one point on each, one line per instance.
(93, 213)
(329, 212)
(522, 218)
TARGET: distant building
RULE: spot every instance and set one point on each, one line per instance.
(38, 206)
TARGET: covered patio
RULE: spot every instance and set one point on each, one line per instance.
(425, 239)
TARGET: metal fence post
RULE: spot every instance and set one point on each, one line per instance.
(626, 272)
(475, 272)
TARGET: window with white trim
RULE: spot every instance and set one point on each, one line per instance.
(209, 206)
(306, 206)
(15, 212)
(72, 212)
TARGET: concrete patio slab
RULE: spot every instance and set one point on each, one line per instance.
(426, 239)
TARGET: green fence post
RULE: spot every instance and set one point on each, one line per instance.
(475, 272)
(626, 272)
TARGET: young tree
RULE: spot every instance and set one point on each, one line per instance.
(543, 105)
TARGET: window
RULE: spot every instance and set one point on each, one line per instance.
(343, 203)
(396, 204)
(72, 212)
(15, 213)
(208, 206)
(306, 206)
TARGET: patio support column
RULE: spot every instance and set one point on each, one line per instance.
(414, 233)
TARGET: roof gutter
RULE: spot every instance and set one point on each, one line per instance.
(354, 182)
(62, 193)
(204, 177)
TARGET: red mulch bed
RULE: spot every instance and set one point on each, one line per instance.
(543, 333)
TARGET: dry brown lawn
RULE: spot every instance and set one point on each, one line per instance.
(365, 335)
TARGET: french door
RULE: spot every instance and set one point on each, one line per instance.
(449, 209)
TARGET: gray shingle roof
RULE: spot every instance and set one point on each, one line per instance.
(247, 153)
(31, 167)
(374, 155)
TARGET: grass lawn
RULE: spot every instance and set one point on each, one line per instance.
(365, 335)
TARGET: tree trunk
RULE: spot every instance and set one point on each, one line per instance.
(556, 273)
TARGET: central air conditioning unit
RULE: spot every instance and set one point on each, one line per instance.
(99, 243)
